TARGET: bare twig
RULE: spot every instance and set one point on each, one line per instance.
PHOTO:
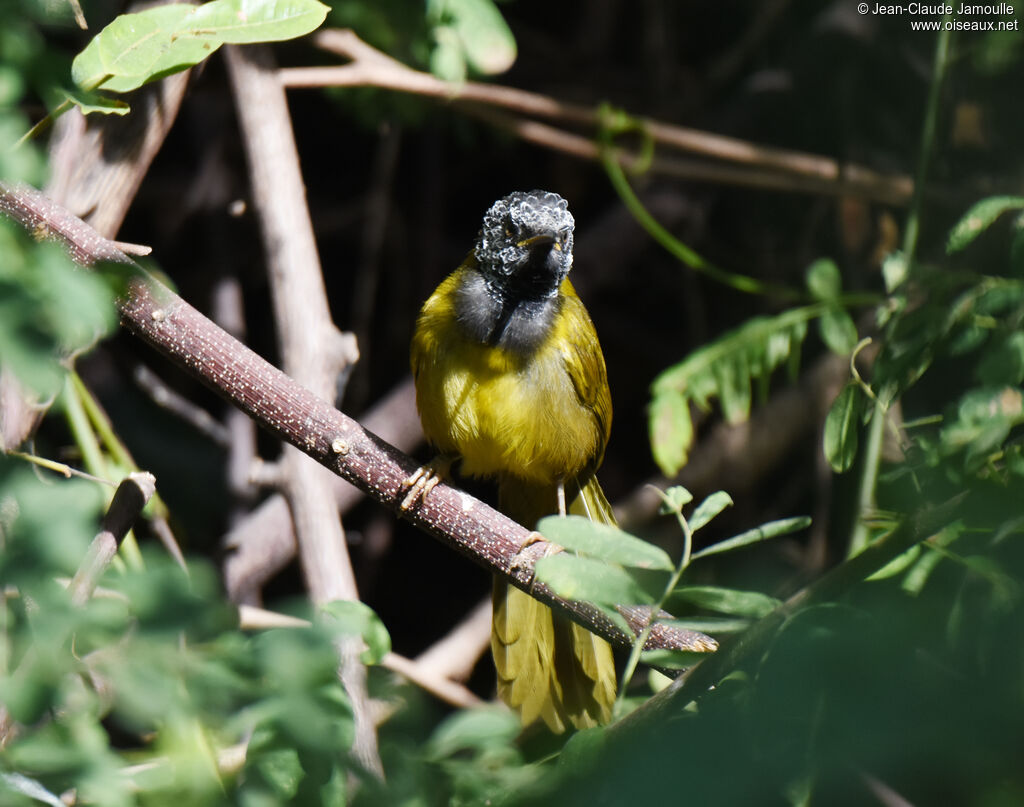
(286, 409)
(455, 655)
(313, 350)
(751, 163)
(131, 496)
(263, 542)
(180, 406)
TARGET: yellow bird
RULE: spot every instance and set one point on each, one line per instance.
(510, 378)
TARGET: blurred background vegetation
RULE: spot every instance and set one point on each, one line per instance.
(902, 689)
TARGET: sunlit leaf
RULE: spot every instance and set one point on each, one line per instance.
(577, 578)
(603, 541)
(979, 218)
(709, 508)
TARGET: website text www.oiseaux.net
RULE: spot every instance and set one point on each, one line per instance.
(947, 16)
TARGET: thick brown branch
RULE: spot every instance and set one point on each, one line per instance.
(294, 414)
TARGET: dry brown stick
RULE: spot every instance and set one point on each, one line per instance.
(370, 67)
(431, 680)
(130, 497)
(455, 655)
(263, 542)
(294, 414)
(314, 351)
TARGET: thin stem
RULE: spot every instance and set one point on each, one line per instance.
(641, 641)
(744, 283)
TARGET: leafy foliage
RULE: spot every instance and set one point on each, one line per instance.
(138, 48)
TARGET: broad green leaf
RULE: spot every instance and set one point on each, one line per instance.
(352, 618)
(841, 427)
(447, 60)
(978, 219)
(603, 541)
(709, 508)
(727, 601)
(672, 659)
(838, 331)
(577, 578)
(487, 41)
(131, 44)
(671, 430)
(823, 280)
(240, 22)
(472, 729)
(1005, 363)
(772, 529)
(141, 47)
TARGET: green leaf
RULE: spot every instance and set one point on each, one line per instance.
(473, 729)
(727, 601)
(487, 41)
(671, 430)
(353, 618)
(976, 220)
(603, 541)
(138, 48)
(724, 369)
(894, 271)
(823, 280)
(241, 22)
(89, 102)
(709, 508)
(772, 529)
(707, 624)
(672, 659)
(676, 498)
(841, 427)
(838, 331)
(577, 578)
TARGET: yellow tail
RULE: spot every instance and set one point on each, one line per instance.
(548, 666)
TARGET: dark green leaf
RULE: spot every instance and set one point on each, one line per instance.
(727, 601)
(823, 280)
(772, 529)
(841, 427)
(672, 659)
(976, 220)
(603, 541)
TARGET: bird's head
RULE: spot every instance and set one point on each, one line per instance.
(524, 249)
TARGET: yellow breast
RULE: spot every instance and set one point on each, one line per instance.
(504, 412)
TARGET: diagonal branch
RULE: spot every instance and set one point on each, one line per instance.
(291, 412)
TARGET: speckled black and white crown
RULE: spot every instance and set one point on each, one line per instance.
(517, 217)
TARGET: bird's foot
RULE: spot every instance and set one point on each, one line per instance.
(424, 479)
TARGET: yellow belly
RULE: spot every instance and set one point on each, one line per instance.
(501, 411)
(503, 414)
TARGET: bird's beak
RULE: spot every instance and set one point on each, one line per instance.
(539, 240)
